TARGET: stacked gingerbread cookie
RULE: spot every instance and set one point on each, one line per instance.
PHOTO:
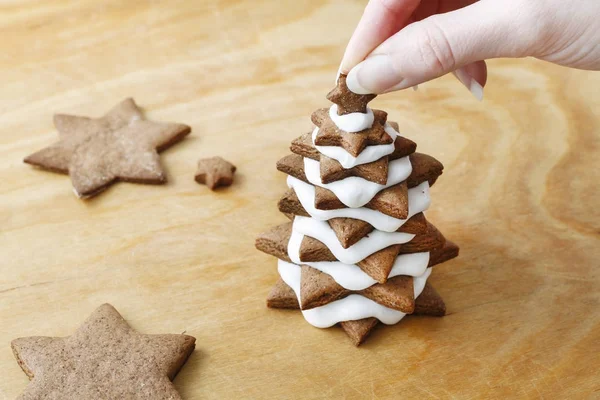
(358, 249)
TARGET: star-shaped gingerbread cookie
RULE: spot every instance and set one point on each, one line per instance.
(378, 265)
(318, 289)
(353, 142)
(215, 172)
(331, 170)
(104, 359)
(428, 303)
(96, 152)
(347, 101)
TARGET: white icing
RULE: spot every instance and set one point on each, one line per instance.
(354, 191)
(293, 247)
(349, 308)
(375, 241)
(413, 264)
(369, 154)
(418, 201)
(353, 122)
(351, 277)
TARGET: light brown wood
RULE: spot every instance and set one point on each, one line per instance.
(520, 195)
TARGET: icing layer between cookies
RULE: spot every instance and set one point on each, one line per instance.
(351, 277)
(369, 154)
(350, 308)
(320, 230)
(353, 191)
(353, 122)
(418, 201)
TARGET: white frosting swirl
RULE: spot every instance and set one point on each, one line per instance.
(353, 122)
(320, 230)
(350, 308)
(369, 154)
(418, 201)
(353, 191)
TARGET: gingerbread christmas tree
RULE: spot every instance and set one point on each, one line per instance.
(358, 249)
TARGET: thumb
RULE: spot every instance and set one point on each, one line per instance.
(444, 43)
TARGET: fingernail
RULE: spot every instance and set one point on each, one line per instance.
(374, 75)
(474, 87)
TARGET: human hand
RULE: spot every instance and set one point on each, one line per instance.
(407, 42)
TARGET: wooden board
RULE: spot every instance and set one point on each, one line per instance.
(520, 195)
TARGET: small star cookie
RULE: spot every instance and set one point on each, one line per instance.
(215, 172)
(348, 101)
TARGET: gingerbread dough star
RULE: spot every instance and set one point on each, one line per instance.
(318, 289)
(347, 101)
(104, 359)
(96, 152)
(353, 142)
(215, 172)
(428, 303)
(331, 170)
(378, 265)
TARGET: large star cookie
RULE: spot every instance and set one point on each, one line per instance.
(428, 303)
(96, 152)
(348, 230)
(392, 201)
(104, 359)
(378, 265)
(318, 289)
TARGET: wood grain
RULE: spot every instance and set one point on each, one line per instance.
(520, 195)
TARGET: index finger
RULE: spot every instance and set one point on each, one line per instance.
(381, 19)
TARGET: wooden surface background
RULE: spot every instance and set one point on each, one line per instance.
(520, 195)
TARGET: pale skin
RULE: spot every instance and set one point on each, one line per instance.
(401, 43)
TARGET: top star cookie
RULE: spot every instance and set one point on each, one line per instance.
(96, 152)
(348, 101)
